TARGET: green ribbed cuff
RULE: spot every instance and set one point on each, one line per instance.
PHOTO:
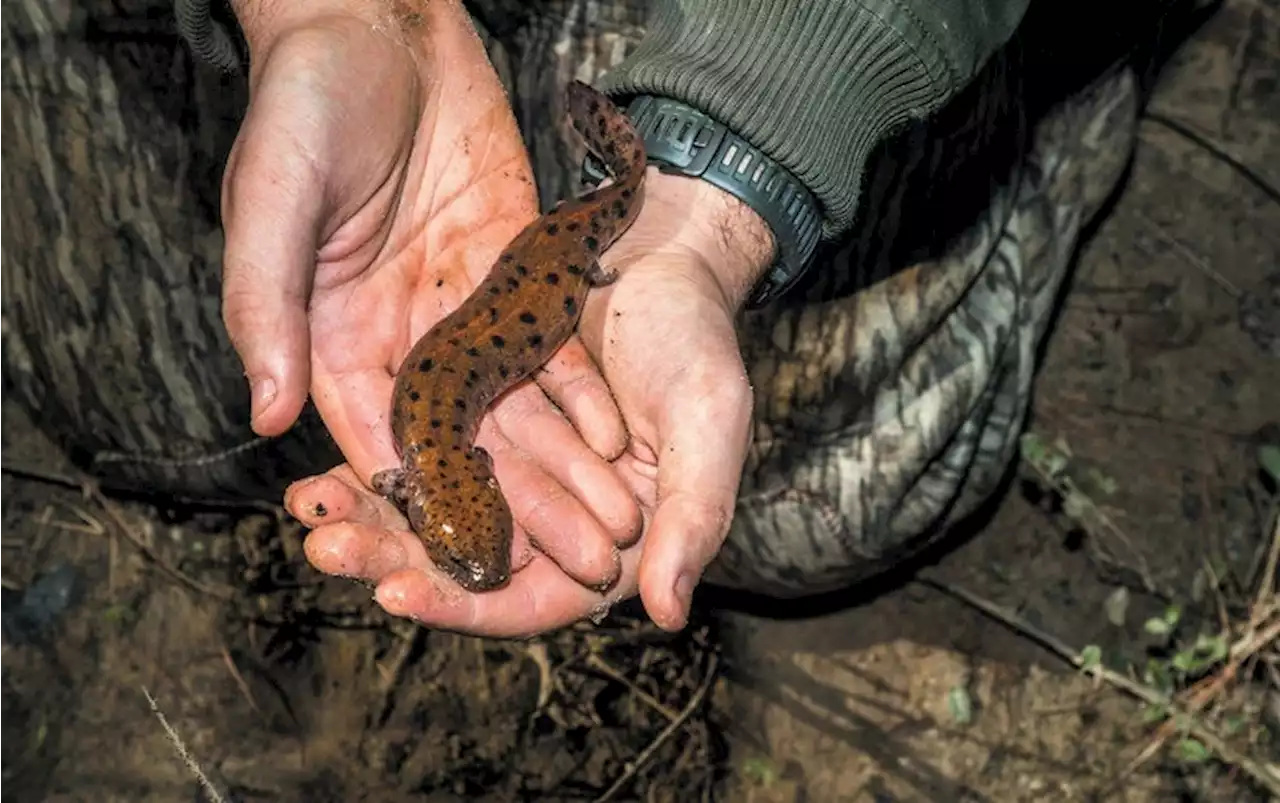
(815, 84)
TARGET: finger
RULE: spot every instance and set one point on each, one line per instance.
(553, 518)
(359, 534)
(539, 599)
(573, 381)
(338, 495)
(272, 201)
(543, 510)
(360, 551)
(356, 408)
(698, 479)
(538, 429)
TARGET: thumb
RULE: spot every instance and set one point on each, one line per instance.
(272, 200)
(703, 435)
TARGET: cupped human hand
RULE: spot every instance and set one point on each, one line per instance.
(378, 173)
(664, 333)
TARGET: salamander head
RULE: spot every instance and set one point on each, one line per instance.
(472, 542)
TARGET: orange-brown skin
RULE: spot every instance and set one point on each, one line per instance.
(525, 309)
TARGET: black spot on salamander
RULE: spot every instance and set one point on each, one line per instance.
(595, 225)
(535, 341)
(430, 443)
(494, 289)
(497, 341)
(619, 210)
(457, 428)
(456, 484)
(507, 257)
(594, 108)
(503, 371)
(570, 305)
(473, 351)
(455, 342)
(425, 365)
(439, 282)
(436, 423)
(528, 317)
(473, 375)
(414, 395)
(592, 244)
(460, 404)
(522, 270)
(493, 314)
(513, 282)
(626, 195)
(574, 270)
(442, 463)
(553, 229)
(468, 457)
(552, 278)
(573, 225)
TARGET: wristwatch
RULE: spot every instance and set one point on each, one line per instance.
(681, 140)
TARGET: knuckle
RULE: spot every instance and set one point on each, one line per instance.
(709, 514)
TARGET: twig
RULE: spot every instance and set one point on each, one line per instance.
(1248, 173)
(1267, 587)
(399, 658)
(600, 665)
(240, 681)
(124, 529)
(79, 482)
(1260, 773)
(538, 653)
(1191, 256)
(216, 795)
(633, 767)
(90, 490)
(1243, 649)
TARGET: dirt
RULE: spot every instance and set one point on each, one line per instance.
(286, 685)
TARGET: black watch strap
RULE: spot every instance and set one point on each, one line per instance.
(682, 140)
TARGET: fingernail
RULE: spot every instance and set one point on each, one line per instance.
(262, 393)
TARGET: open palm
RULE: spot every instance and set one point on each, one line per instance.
(360, 207)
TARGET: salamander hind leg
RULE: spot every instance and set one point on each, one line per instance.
(599, 277)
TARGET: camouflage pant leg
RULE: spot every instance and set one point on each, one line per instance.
(114, 141)
(882, 414)
(924, 378)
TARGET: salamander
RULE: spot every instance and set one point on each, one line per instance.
(526, 307)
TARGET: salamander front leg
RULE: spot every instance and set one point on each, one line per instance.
(392, 485)
(599, 277)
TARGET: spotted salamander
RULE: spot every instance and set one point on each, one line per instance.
(527, 307)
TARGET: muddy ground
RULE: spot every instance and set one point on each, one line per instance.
(1163, 375)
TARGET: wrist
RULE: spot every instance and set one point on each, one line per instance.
(729, 237)
(409, 23)
(685, 141)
